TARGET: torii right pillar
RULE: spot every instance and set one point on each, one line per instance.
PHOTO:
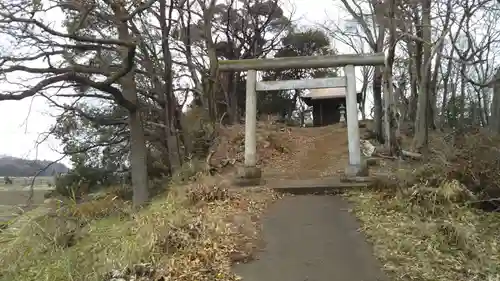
(356, 167)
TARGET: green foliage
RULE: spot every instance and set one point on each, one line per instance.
(82, 180)
(97, 142)
(310, 42)
(7, 180)
(247, 27)
(274, 103)
(243, 28)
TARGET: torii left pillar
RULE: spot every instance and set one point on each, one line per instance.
(250, 174)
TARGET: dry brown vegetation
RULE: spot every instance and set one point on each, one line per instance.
(273, 142)
(423, 222)
(432, 220)
(193, 232)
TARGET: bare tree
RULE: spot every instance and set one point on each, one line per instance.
(373, 32)
(356, 43)
(56, 62)
(214, 30)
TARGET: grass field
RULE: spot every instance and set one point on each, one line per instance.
(25, 182)
(11, 199)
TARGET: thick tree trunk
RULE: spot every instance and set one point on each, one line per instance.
(138, 150)
(437, 66)
(480, 111)
(421, 123)
(485, 106)
(453, 114)
(431, 99)
(391, 121)
(377, 86)
(417, 47)
(211, 83)
(462, 96)
(138, 160)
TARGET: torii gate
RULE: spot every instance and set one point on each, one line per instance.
(250, 171)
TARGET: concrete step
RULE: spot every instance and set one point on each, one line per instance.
(316, 186)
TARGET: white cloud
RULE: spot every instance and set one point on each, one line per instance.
(21, 124)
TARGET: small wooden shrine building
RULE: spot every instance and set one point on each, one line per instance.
(326, 104)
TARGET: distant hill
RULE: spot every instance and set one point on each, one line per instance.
(17, 167)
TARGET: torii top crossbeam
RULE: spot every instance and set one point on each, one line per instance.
(302, 62)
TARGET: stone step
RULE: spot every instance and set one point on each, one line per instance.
(316, 186)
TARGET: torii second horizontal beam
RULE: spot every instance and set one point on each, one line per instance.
(302, 62)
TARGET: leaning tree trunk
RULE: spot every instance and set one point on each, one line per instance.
(138, 150)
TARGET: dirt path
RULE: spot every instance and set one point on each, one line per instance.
(313, 238)
(317, 152)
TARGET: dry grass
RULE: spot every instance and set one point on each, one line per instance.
(459, 244)
(424, 222)
(273, 142)
(12, 203)
(20, 197)
(194, 233)
(420, 223)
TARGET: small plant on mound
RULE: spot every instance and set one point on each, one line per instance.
(97, 209)
(272, 140)
(7, 180)
(191, 171)
(207, 193)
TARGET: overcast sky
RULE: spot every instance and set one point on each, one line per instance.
(21, 122)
